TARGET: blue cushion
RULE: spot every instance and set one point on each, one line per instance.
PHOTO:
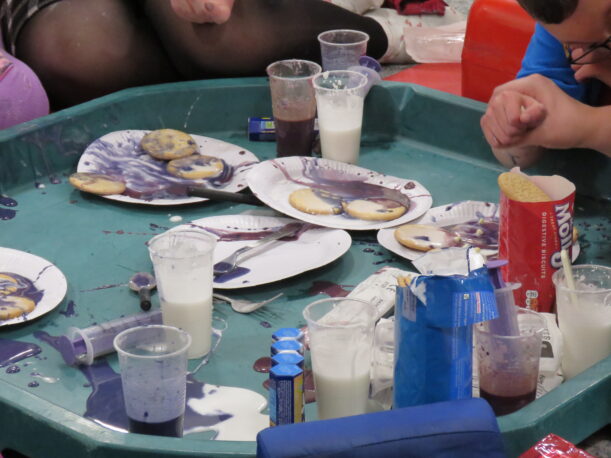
(463, 428)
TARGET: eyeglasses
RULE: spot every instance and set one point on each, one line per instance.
(596, 52)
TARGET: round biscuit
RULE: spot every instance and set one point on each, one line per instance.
(195, 167)
(306, 200)
(168, 144)
(8, 284)
(422, 237)
(519, 188)
(96, 183)
(370, 210)
(15, 306)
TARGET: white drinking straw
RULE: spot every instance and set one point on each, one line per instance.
(568, 275)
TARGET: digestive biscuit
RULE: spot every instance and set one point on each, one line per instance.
(168, 144)
(96, 183)
(15, 306)
(195, 167)
(371, 210)
(306, 200)
(519, 188)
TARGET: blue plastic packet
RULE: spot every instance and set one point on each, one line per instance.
(433, 334)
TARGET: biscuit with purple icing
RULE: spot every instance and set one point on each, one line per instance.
(308, 201)
(422, 237)
(168, 144)
(374, 209)
(97, 183)
(15, 306)
(8, 284)
(195, 167)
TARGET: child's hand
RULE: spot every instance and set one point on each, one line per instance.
(202, 11)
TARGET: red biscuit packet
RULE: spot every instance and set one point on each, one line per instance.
(552, 446)
(531, 237)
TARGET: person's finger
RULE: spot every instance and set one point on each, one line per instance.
(533, 113)
(495, 134)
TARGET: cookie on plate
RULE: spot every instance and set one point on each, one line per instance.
(374, 209)
(96, 183)
(15, 306)
(8, 284)
(422, 237)
(518, 187)
(308, 201)
(168, 144)
(195, 166)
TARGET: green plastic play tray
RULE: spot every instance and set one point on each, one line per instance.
(409, 132)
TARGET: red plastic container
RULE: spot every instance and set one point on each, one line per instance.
(498, 32)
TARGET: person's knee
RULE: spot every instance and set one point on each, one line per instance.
(86, 48)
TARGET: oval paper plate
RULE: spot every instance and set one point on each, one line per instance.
(446, 215)
(46, 277)
(273, 181)
(315, 247)
(119, 154)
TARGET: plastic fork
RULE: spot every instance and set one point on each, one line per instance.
(231, 262)
(243, 305)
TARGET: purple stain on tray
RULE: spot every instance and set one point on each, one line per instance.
(13, 369)
(33, 384)
(102, 287)
(70, 309)
(265, 324)
(329, 288)
(7, 213)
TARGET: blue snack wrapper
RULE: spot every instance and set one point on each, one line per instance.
(433, 334)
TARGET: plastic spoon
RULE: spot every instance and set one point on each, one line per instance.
(143, 283)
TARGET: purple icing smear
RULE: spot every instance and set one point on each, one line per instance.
(20, 287)
(482, 233)
(70, 309)
(7, 213)
(105, 404)
(146, 178)
(333, 186)
(329, 288)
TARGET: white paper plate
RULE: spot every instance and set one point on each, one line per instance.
(314, 248)
(272, 181)
(118, 154)
(446, 215)
(45, 276)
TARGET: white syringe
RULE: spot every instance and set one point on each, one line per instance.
(82, 346)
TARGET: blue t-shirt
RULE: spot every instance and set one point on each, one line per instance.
(545, 55)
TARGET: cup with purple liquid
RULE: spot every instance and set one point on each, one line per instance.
(293, 105)
(508, 365)
(153, 361)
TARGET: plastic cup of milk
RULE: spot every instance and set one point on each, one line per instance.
(153, 361)
(183, 261)
(341, 339)
(340, 95)
(293, 105)
(341, 49)
(584, 316)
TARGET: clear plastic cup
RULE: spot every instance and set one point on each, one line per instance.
(293, 105)
(340, 97)
(508, 366)
(341, 49)
(153, 361)
(183, 263)
(584, 316)
(341, 339)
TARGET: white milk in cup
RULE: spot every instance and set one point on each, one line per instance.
(183, 263)
(341, 338)
(340, 97)
(584, 316)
